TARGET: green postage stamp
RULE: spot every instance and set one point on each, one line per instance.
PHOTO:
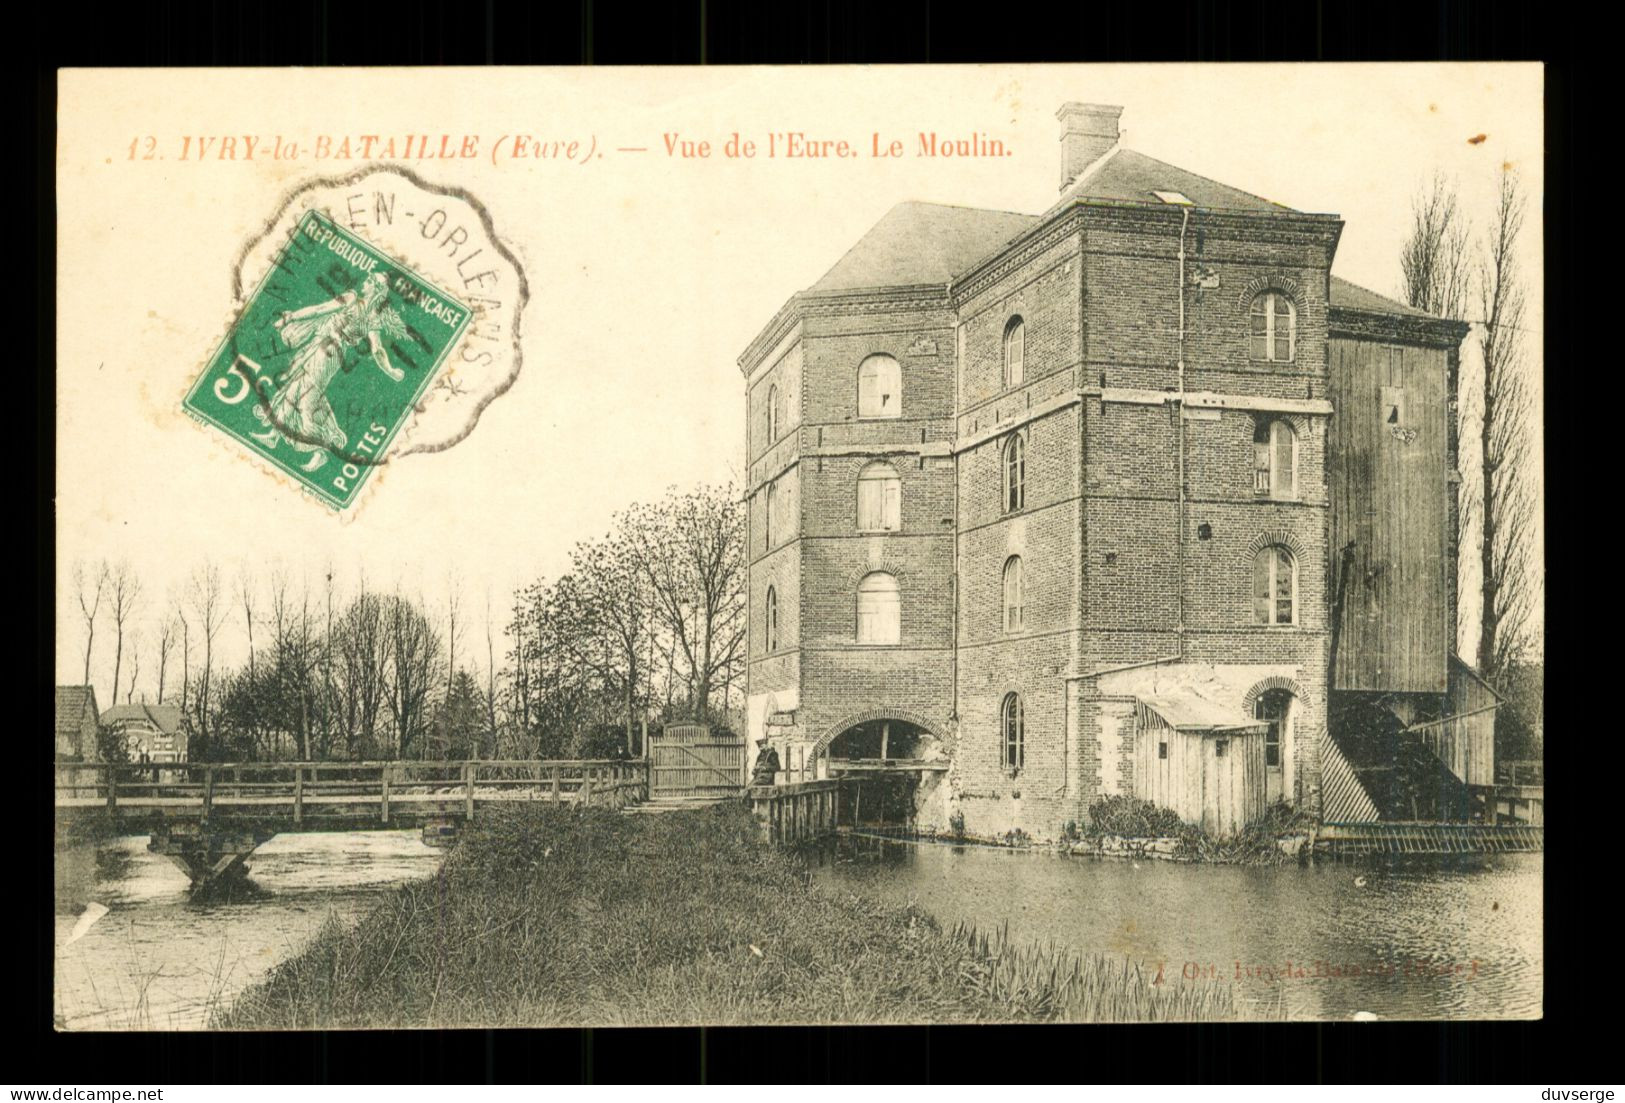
(329, 358)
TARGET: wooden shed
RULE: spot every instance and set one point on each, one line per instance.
(1201, 759)
(1464, 737)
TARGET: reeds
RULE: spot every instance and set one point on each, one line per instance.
(1040, 981)
(558, 916)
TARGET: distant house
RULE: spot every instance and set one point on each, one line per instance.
(75, 724)
(152, 733)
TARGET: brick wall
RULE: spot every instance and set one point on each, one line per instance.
(1098, 297)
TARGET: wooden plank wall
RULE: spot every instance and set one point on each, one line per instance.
(1390, 497)
(1471, 700)
(1174, 782)
(1221, 794)
(1233, 795)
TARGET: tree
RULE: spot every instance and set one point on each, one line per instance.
(359, 651)
(412, 649)
(167, 630)
(125, 594)
(89, 591)
(245, 595)
(690, 549)
(1506, 502)
(135, 668)
(602, 608)
(490, 678)
(296, 655)
(459, 721)
(207, 601)
(1442, 270)
(1436, 261)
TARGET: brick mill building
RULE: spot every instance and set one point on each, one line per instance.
(1043, 508)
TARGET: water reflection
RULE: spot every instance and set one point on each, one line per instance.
(160, 959)
(1412, 941)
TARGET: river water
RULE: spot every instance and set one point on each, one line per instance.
(1319, 942)
(158, 961)
(1327, 941)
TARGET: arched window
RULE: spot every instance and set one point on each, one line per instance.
(1012, 733)
(1274, 326)
(772, 620)
(880, 387)
(1015, 342)
(1275, 586)
(1014, 617)
(879, 609)
(1015, 474)
(880, 498)
(1275, 459)
(772, 414)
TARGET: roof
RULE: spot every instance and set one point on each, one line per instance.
(1126, 176)
(1187, 709)
(165, 718)
(1349, 296)
(917, 243)
(71, 703)
(927, 243)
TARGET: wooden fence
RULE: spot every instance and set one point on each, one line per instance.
(302, 791)
(797, 812)
(690, 761)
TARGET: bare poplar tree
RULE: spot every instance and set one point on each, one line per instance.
(1437, 260)
(245, 595)
(454, 605)
(490, 678)
(1506, 502)
(89, 586)
(186, 656)
(168, 628)
(135, 666)
(207, 599)
(124, 594)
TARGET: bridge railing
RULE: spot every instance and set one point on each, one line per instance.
(183, 788)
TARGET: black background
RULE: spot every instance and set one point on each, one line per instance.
(1584, 962)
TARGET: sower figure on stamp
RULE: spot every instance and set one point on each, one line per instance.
(321, 335)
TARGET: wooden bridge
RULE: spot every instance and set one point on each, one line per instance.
(208, 817)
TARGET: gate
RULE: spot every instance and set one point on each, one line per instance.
(689, 761)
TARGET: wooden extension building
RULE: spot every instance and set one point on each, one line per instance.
(1202, 760)
(1413, 724)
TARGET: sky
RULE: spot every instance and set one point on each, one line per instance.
(649, 274)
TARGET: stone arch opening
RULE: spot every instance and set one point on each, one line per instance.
(882, 740)
(892, 766)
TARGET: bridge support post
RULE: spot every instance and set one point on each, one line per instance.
(207, 857)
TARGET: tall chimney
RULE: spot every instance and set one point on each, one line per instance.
(1088, 130)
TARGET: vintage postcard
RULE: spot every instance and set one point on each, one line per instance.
(805, 545)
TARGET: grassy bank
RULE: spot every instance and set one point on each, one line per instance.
(546, 915)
